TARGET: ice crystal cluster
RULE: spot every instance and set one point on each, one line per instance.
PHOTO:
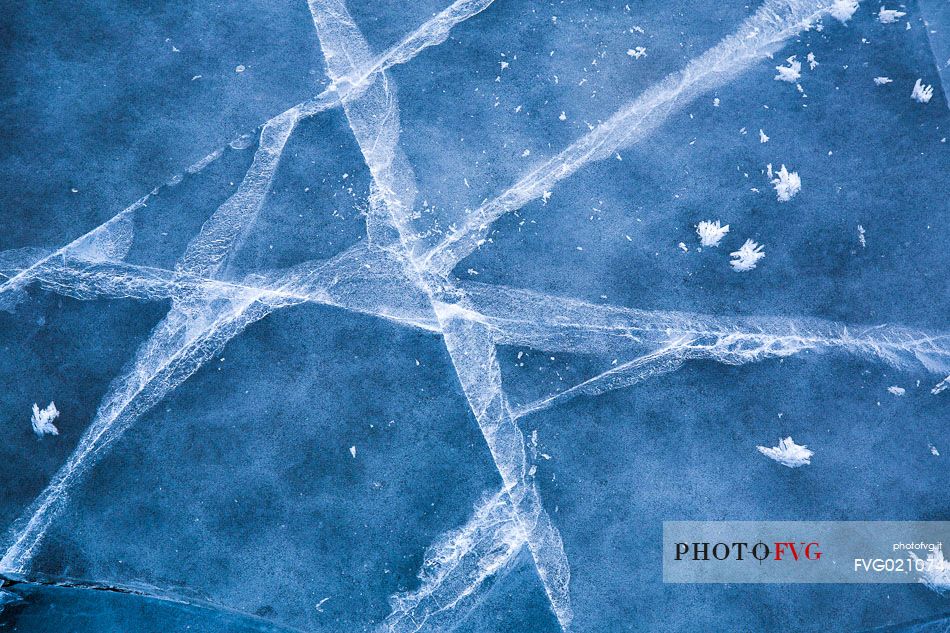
(788, 453)
(42, 419)
(746, 258)
(711, 232)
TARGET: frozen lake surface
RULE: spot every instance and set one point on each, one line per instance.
(385, 316)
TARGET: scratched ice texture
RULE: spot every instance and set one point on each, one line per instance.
(386, 316)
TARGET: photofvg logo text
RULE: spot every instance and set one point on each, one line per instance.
(803, 551)
(740, 550)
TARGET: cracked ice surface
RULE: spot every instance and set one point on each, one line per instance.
(422, 350)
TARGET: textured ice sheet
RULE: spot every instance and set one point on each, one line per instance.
(881, 174)
(405, 324)
(86, 609)
(684, 446)
(257, 503)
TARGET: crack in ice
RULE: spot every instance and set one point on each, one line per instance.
(356, 279)
(758, 37)
(431, 33)
(396, 277)
(186, 338)
(374, 120)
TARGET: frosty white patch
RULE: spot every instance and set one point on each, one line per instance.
(889, 16)
(710, 232)
(880, 81)
(747, 257)
(842, 10)
(42, 420)
(790, 73)
(786, 183)
(897, 391)
(935, 571)
(788, 453)
(922, 93)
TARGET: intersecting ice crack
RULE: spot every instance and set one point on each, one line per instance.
(374, 119)
(759, 36)
(397, 277)
(360, 278)
(431, 33)
(197, 327)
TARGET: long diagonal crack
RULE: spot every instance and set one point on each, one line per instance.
(209, 310)
(661, 361)
(374, 282)
(374, 119)
(431, 33)
(760, 35)
(175, 350)
(195, 329)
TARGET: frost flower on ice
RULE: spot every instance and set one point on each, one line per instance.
(788, 453)
(42, 420)
(746, 257)
(922, 93)
(786, 183)
(790, 73)
(842, 10)
(889, 16)
(711, 233)
(934, 571)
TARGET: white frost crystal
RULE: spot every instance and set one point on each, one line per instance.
(897, 391)
(42, 420)
(786, 183)
(922, 93)
(880, 81)
(790, 73)
(746, 257)
(889, 16)
(842, 10)
(934, 571)
(788, 453)
(710, 232)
